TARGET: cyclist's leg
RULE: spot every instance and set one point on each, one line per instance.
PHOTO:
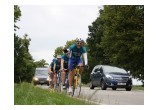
(80, 63)
(70, 75)
(63, 76)
(51, 80)
(55, 79)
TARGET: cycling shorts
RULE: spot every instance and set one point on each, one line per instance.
(74, 61)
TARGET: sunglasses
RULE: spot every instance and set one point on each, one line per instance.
(79, 43)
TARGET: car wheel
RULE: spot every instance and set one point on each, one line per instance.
(128, 89)
(114, 88)
(103, 85)
(91, 85)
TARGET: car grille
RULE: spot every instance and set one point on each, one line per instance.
(121, 79)
(42, 79)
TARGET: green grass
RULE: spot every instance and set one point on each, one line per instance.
(27, 94)
(137, 87)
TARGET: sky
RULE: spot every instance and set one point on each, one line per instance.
(51, 26)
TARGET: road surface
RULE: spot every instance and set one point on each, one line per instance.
(111, 97)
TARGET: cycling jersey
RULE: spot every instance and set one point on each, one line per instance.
(76, 52)
(52, 64)
(66, 59)
(76, 55)
(58, 64)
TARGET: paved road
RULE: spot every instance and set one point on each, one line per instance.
(111, 97)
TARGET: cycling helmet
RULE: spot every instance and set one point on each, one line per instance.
(58, 56)
(65, 50)
(79, 40)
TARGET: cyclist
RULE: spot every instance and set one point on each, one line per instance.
(76, 51)
(64, 64)
(55, 66)
(50, 69)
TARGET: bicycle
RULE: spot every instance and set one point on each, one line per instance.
(66, 82)
(59, 83)
(76, 81)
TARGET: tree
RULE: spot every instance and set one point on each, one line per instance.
(58, 51)
(17, 15)
(118, 35)
(23, 62)
(69, 43)
(40, 63)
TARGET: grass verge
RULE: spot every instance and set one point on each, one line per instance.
(134, 87)
(27, 94)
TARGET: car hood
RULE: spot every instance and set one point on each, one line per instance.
(41, 76)
(119, 75)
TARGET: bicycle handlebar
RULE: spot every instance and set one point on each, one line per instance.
(77, 66)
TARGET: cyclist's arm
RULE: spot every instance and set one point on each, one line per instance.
(49, 70)
(54, 66)
(50, 67)
(85, 58)
(84, 51)
(62, 62)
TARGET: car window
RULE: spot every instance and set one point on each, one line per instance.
(95, 70)
(41, 72)
(109, 69)
(101, 70)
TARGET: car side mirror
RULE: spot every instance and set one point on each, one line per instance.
(98, 72)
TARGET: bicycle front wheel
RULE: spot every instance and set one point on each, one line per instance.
(77, 85)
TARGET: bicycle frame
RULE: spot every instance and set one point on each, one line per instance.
(58, 84)
(76, 81)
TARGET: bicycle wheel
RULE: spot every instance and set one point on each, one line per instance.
(58, 85)
(66, 85)
(77, 85)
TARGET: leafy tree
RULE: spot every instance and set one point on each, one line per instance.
(23, 62)
(17, 15)
(69, 43)
(116, 38)
(41, 63)
(58, 51)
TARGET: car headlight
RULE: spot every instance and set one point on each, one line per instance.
(48, 79)
(36, 79)
(109, 76)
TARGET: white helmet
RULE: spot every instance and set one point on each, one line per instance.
(58, 56)
(79, 40)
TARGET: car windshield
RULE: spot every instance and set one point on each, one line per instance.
(41, 72)
(114, 70)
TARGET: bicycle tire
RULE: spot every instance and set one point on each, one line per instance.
(77, 87)
(58, 85)
(66, 83)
